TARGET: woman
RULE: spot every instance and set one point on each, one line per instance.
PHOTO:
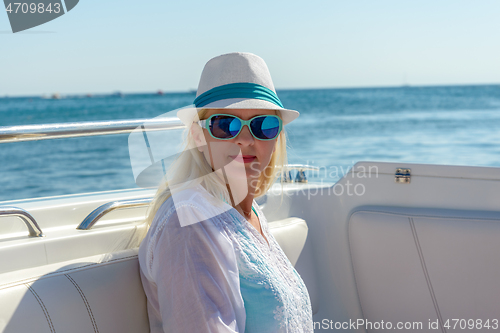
(208, 262)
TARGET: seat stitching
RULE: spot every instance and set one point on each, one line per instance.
(44, 309)
(426, 273)
(66, 270)
(351, 261)
(87, 305)
(435, 216)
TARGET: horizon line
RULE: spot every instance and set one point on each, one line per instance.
(193, 91)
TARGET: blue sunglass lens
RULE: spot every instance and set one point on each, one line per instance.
(224, 127)
(265, 127)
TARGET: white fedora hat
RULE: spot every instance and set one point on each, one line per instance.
(236, 81)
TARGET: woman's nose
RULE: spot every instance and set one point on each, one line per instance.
(245, 137)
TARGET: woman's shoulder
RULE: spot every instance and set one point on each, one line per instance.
(188, 203)
(183, 219)
(179, 207)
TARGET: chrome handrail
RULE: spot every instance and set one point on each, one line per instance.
(28, 219)
(102, 210)
(79, 129)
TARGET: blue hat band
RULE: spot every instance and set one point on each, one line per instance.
(237, 90)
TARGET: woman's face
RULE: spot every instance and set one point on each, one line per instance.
(244, 152)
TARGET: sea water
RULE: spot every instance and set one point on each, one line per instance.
(455, 125)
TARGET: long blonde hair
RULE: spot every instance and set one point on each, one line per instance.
(191, 164)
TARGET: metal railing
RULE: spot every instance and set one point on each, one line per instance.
(26, 217)
(80, 129)
(102, 210)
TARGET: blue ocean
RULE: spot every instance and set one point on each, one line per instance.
(453, 125)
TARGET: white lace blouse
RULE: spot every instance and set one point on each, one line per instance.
(216, 273)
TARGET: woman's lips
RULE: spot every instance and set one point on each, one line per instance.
(243, 158)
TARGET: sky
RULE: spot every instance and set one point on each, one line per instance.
(143, 46)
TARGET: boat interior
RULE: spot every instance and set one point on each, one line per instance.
(388, 242)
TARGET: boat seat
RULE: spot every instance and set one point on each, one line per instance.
(102, 293)
(291, 235)
(425, 265)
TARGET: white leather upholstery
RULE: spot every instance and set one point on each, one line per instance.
(421, 265)
(96, 294)
(291, 235)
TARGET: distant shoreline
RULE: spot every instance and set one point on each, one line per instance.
(160, 93)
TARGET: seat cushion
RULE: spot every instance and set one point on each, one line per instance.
(291, 235)
(426, 265)
(93, 294)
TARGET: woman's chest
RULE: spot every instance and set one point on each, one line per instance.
(274, 295)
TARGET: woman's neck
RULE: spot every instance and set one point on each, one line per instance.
(245, 205)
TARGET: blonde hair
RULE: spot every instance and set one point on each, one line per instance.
(191, 164)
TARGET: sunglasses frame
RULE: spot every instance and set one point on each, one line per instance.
(206, 125)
